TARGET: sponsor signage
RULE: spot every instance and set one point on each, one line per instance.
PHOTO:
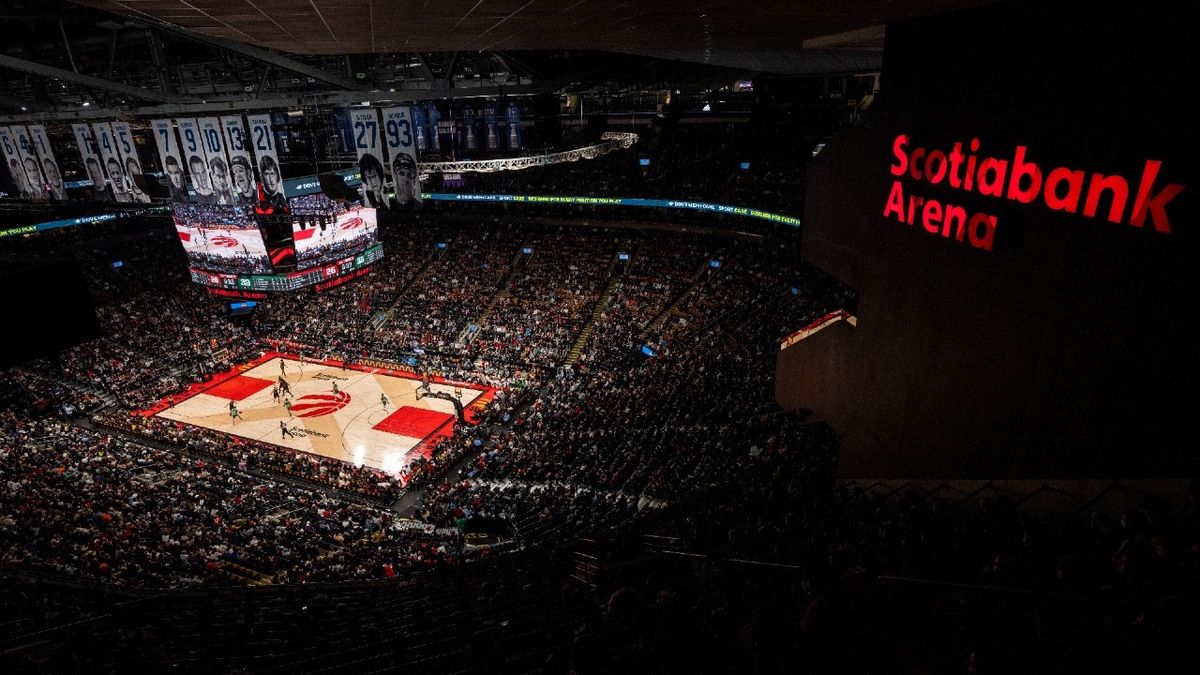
(1016, 178)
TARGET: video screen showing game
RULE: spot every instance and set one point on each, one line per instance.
(325, 230)
(221, 238)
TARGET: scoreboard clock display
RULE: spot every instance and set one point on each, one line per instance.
(293, 281)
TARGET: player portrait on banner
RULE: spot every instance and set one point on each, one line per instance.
(33, 176)
(222, 188)
(95, 173)
(44, 153)
(116, 177)
(242, 178)
(54, 179)
(268, 169)
(200, 182)
(405, 178)
(175, 179)
(374, 192)
(133, 168)
(18, 175)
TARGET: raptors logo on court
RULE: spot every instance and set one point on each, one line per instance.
(222, 240)
(316, 405)
(352, 223)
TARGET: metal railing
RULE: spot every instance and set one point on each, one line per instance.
(609, 141)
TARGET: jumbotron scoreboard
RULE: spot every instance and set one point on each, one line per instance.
(324, 276)
(314, 243)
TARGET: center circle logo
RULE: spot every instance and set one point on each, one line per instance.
(317, 405)
(222, 240)
(352, 223)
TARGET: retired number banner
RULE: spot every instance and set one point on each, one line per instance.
(16, 169)
(262, 139)
(241, 167)
(129, 161)
(196, 160)
(364, 126)
(45, 153)
(170, 158)
(218, 165)
(400, 136)
(91, 161)
(29, 160)
(106, 142)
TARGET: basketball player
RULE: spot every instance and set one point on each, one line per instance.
(335, 389)
(275, 393)
(234, 414)
(282, 367)
(383, 401)
(284, 432)
(287, 403)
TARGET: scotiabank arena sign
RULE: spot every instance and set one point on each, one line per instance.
(1019, 180)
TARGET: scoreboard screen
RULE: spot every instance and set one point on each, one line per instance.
(221, 238)
(321, 238)
(289, 282)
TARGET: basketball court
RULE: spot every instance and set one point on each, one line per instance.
(352, 423)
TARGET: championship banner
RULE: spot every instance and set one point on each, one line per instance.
(433, 115)
(170, 158)
(241, 167)
(45, 153)
(262, 138)
(129, 161)
(418, 120)
(8, 145)
(512, 116)
(492, 134)
(218, 165)
(402, 148)
(106, 142)
(196, 160)
(29, 160)
(364, 125)
(468, 116)
(91, 161)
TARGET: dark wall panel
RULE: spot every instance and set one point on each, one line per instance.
(46, 307)
(1064, 350)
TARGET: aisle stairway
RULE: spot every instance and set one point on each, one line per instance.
(380, 318)
(601, 305)
(655, 324)
(473, 329)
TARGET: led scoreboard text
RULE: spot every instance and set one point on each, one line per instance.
(317, 276)
(1019, 180)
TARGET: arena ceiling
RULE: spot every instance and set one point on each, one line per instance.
(766, 35)
(112, 56)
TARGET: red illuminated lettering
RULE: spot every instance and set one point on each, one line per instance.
(1019, 180)
(955, 221)
(895, 202)
(1156, 205)
(1120, 194)
(956, 160)
(1022, 169)
(930, 215)
(915, 168)
(993, 187)
(935, 175)
(1074, 181)
(987, 237)
(901, 159)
